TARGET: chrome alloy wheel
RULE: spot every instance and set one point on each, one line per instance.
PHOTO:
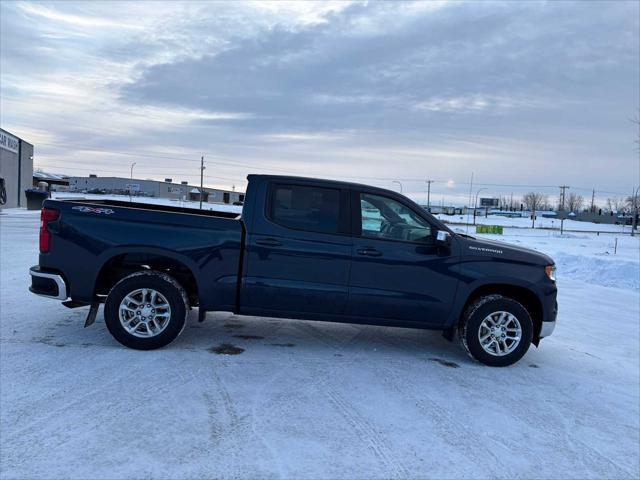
(500, 333)
(144, 313)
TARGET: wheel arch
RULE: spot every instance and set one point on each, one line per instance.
(124, 262)
(523, 295)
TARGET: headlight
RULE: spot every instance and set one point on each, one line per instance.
(550, 270)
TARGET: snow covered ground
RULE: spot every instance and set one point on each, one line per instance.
(322, 400)
(540, 223)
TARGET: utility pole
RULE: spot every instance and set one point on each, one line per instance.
(429, 182)
(561, 209)
(634, 211)
(562, 193)
(593, 201)
(202, 167)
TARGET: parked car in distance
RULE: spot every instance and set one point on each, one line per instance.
(302, 248)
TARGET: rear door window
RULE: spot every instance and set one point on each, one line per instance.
(301, 207)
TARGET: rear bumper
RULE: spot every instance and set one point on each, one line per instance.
(47, 284)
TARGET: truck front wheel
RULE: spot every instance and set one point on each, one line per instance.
(496, 330)
(146, 310)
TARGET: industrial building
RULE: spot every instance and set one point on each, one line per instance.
(152, 188)
(16, 168)
(51, 182)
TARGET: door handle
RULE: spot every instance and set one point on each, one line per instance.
(369, 252)
(268, 242)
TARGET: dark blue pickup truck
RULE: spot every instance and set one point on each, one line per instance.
(302, 248)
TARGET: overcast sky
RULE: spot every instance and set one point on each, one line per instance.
(520, 93)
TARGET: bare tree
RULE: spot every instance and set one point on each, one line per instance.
(615, 204)
(513, 203)
(534, 202)
(633, 202)
(575, 202)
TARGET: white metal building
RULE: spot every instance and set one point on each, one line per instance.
(152, 188)
(16, 168)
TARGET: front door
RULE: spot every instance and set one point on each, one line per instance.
(398, 272)
(299, 252)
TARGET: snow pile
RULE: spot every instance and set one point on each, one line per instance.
(605, 271)
(609, 260)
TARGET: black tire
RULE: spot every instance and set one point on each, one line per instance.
(473, 318)
(168, 287)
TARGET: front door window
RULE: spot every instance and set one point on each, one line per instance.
(387, 219)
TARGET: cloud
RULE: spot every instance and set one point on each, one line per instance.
(322, 75)
(510, 90)
(34, 9)
(481, 103)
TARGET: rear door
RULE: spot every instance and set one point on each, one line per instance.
(398, 271)
(298, 251)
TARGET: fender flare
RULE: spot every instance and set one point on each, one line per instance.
(465, 291)
(110, 254)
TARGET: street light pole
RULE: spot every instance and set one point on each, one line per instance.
(475, 204)
(634, 210)
(202, 167)
(131, 180)
(399, 183)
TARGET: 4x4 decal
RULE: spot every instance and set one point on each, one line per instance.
(104, 211)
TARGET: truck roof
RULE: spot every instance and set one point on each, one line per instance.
(324, 181)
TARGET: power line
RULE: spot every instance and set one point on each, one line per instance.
(157, 155)
(101, 170)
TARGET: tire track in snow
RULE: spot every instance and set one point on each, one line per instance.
(254, 404)
(22, 440)
(377, 443)
(579, 454)
(454, 432)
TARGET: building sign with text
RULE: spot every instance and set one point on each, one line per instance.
(8, 142)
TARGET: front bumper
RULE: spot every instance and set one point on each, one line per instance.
(547, 329)
(47, 284)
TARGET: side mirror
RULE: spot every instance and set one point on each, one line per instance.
(443, 237)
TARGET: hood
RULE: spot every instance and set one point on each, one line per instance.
(503, 251)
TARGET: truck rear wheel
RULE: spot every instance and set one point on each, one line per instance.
(146, 310)
(496, 330)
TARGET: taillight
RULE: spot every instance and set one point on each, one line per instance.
(47, 215)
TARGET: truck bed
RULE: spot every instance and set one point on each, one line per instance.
(90, 237)
(149, 206)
